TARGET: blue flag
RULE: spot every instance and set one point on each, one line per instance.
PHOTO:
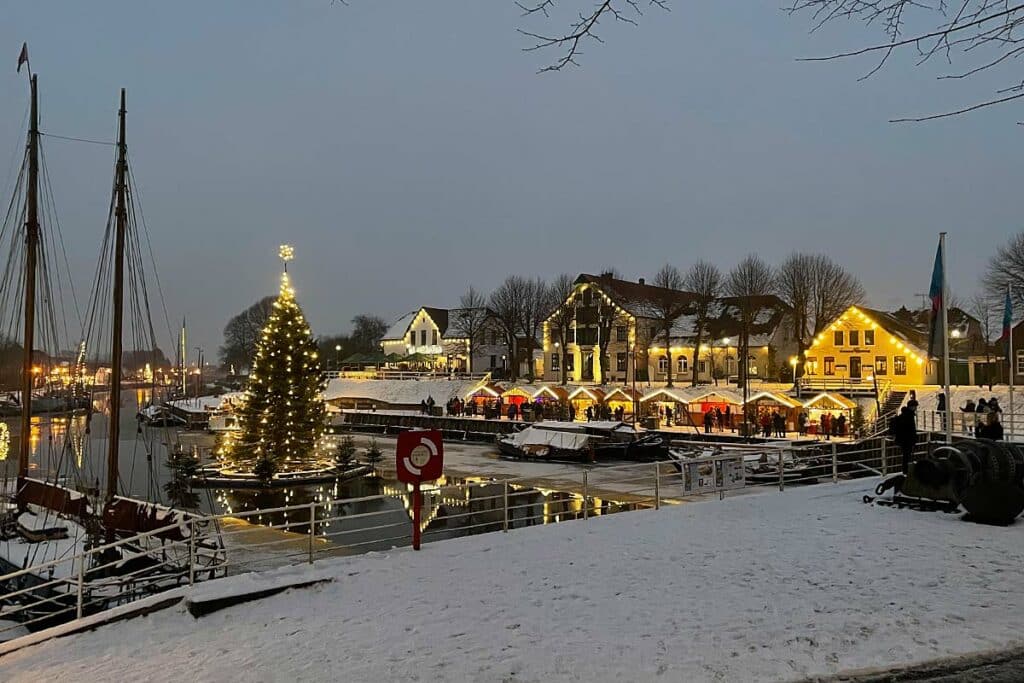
(935, 294)
(1007, 318)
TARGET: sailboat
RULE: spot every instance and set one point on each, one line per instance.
(108, 548)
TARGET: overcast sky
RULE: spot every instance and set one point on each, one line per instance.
(409, 149)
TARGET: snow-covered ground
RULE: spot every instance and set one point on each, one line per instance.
(399, 391)
(770, 587)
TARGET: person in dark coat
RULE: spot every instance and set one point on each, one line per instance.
(590, 414)
(912, 402)
(726, 419)
(841, 425)
(707, 421)
(903, 430)
(801, 423)
(940, 408)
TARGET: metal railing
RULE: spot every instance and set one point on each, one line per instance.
(967, 424)
(403, 374)
(860, 386)
(216, 545)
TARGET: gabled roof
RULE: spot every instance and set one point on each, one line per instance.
(439, 316)
(400, 327)
(635, 297)
(898, 328)
(769, 313)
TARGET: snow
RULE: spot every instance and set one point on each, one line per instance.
(758, 587)
(531, 436)
(399, 391)
(205, 404)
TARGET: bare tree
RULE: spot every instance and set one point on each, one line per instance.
(367, 331)
(242, 332)
(470, 320)
(666, 304)
(983, 33)
(1006, 269)
(704, 281)
(818, 290)
(561, 318)
(988, 314)
(833, 290)
(504, 304)
(582, 28)
(748, 282)
(532, 309)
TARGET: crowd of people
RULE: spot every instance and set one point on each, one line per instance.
(981, 419)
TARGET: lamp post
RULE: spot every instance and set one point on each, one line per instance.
(337, 356)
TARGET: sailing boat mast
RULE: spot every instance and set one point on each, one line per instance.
(120, 226)
(31, 251)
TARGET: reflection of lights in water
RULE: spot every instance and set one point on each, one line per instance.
(34, 435)
(5, 441)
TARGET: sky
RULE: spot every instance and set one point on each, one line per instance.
(410, 150)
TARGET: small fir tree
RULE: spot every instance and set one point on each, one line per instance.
(346, 450)
(282, 417)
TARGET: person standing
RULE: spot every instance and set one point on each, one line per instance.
(707, 421)
(801, 423)
(590, 414)
(826, 425)
(968, 416)
(940, 408)
(903, 430)
(727, 416)
(841, 425)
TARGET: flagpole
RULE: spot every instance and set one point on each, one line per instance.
(1011, 361)
(945, 340)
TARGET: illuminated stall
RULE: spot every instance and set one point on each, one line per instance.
(766, 403)
(662, 402)
(587, 397)
(484, 400)
(827, 403)
(551, 402)
(623, 398)
(717, 400)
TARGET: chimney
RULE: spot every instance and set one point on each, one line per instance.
(641, 281)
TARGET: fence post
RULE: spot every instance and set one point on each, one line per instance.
(312, 528)
(504, 505)
(885, 458)
(83, 558)
(191, 551)
(835, 464)
(657, 487)
(782, 481)
(586, 504)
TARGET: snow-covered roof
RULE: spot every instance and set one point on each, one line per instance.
(399, 391)
(399, 328)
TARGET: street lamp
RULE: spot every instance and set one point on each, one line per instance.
(337, 356)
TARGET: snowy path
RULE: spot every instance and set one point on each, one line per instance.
(769, 587)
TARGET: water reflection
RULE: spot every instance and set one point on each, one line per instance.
(452, 507)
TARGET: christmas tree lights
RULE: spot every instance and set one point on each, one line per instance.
(282, 416)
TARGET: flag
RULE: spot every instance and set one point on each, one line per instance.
(23, 57)
(935, 294)
(1007, 318)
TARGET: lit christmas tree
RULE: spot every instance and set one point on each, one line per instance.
(282, 417)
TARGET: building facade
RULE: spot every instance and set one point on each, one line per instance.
(431, 333)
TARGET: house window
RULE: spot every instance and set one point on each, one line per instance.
(811, 365)
(620, 362)
(854, 337)
(621, 334)
(752, 365)
(881, 366)
(837, 339)
(702, 367)
(435, 338)
(899, 365)
(869, 337)
(588, 297)
(494, 362)
(412, 338)
(830, 365)
(663, 364)
(570, 363)
(555, 360)
(1020, 363)
(683, 364)
(423, 337)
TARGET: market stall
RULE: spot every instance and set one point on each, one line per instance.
(829, 406)
(622, 398)
(701, 401)
(484, 400)
(667, 405)
(551, 402)
(583, 398)
(767, 403)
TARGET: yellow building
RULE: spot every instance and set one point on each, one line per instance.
(864, 344)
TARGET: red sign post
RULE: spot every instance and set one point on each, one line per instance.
(419, 458)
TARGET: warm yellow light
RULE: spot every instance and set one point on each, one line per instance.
(286, 252)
